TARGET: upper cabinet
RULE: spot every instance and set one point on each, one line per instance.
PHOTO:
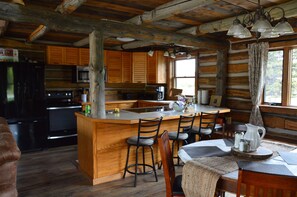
(114, 66)
(122, 67)
(62, 55)
(71, 56)
(127, 67)
(156, 68)
(54, 55)
(139, 63)
(84, 56)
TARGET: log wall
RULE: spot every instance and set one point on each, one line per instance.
(280, 122)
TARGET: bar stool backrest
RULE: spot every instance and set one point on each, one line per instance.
(149, 128)
(185, 123)
(208, 120)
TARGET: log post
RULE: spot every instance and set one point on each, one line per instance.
(97, 73)
(221, 75)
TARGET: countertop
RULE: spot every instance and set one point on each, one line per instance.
(131, 117)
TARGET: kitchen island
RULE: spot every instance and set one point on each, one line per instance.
(102, 147)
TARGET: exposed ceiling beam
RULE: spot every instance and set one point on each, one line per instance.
(133, 45)
(21, 2)
(161, 12)
(66, 7)
(81, 42)
(69, 6)
(290, 9)
(169, 9)
(3, 27)
(37, 33)
(73, 24)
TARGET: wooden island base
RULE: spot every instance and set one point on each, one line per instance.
(102, 147)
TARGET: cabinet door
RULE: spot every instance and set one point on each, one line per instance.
(152, 68)
(127, 67)
(71, 56)
(55, 55)
(161, 67)
(139, 67)
(84, 56)
(114, 66)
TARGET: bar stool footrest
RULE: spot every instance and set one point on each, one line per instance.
(141, 165)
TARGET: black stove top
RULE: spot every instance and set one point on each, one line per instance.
(60, 99)
(149, 109)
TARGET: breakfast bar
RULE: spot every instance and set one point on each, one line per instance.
(102, 144)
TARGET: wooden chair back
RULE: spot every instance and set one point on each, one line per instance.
(265, 185)
(167, 161)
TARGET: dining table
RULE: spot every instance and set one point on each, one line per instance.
(218, 155)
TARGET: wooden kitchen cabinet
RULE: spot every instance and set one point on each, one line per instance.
(62, 55)
(54, 55)
(156, 68)
(139, 63)
(114, 66)
(70, 56)
(84, 56)
(126, 67)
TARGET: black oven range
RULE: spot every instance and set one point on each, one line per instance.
(61, 118)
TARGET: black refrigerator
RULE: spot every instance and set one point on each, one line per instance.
(23, 103)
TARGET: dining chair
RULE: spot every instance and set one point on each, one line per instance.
(264, 185)
(185, 125)
(173, 183)
(148, 131)
(207, 125)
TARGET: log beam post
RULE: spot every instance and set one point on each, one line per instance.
(221, 82)
(97, 73)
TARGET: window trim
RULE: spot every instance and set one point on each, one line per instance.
(182, 77)
(287, 78)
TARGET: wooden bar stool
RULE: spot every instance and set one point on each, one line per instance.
(148, 130)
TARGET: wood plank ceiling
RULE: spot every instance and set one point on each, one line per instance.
(178, 16)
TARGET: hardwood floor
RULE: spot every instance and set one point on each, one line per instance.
(54, 172)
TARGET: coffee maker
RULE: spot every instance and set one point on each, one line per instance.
(160, 92)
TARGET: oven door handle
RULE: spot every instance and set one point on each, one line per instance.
(67, 107)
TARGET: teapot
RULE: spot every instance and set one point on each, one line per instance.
(252, 134)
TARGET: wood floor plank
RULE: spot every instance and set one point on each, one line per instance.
(54, 172)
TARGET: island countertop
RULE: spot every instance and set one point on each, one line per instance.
(102, 146)
(127, 117)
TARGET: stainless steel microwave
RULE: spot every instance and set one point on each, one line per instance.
(82, 74)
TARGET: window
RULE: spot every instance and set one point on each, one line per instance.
(293, 92)
(281, 77)
(184, 75)
(274, 77)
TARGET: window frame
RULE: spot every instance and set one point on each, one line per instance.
(286, 78)
(185, 77)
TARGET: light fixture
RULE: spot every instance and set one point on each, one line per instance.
(150, 53)
(189, 55)
(172, 55)
(125, 39)
(166, 54)
(261, 22)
